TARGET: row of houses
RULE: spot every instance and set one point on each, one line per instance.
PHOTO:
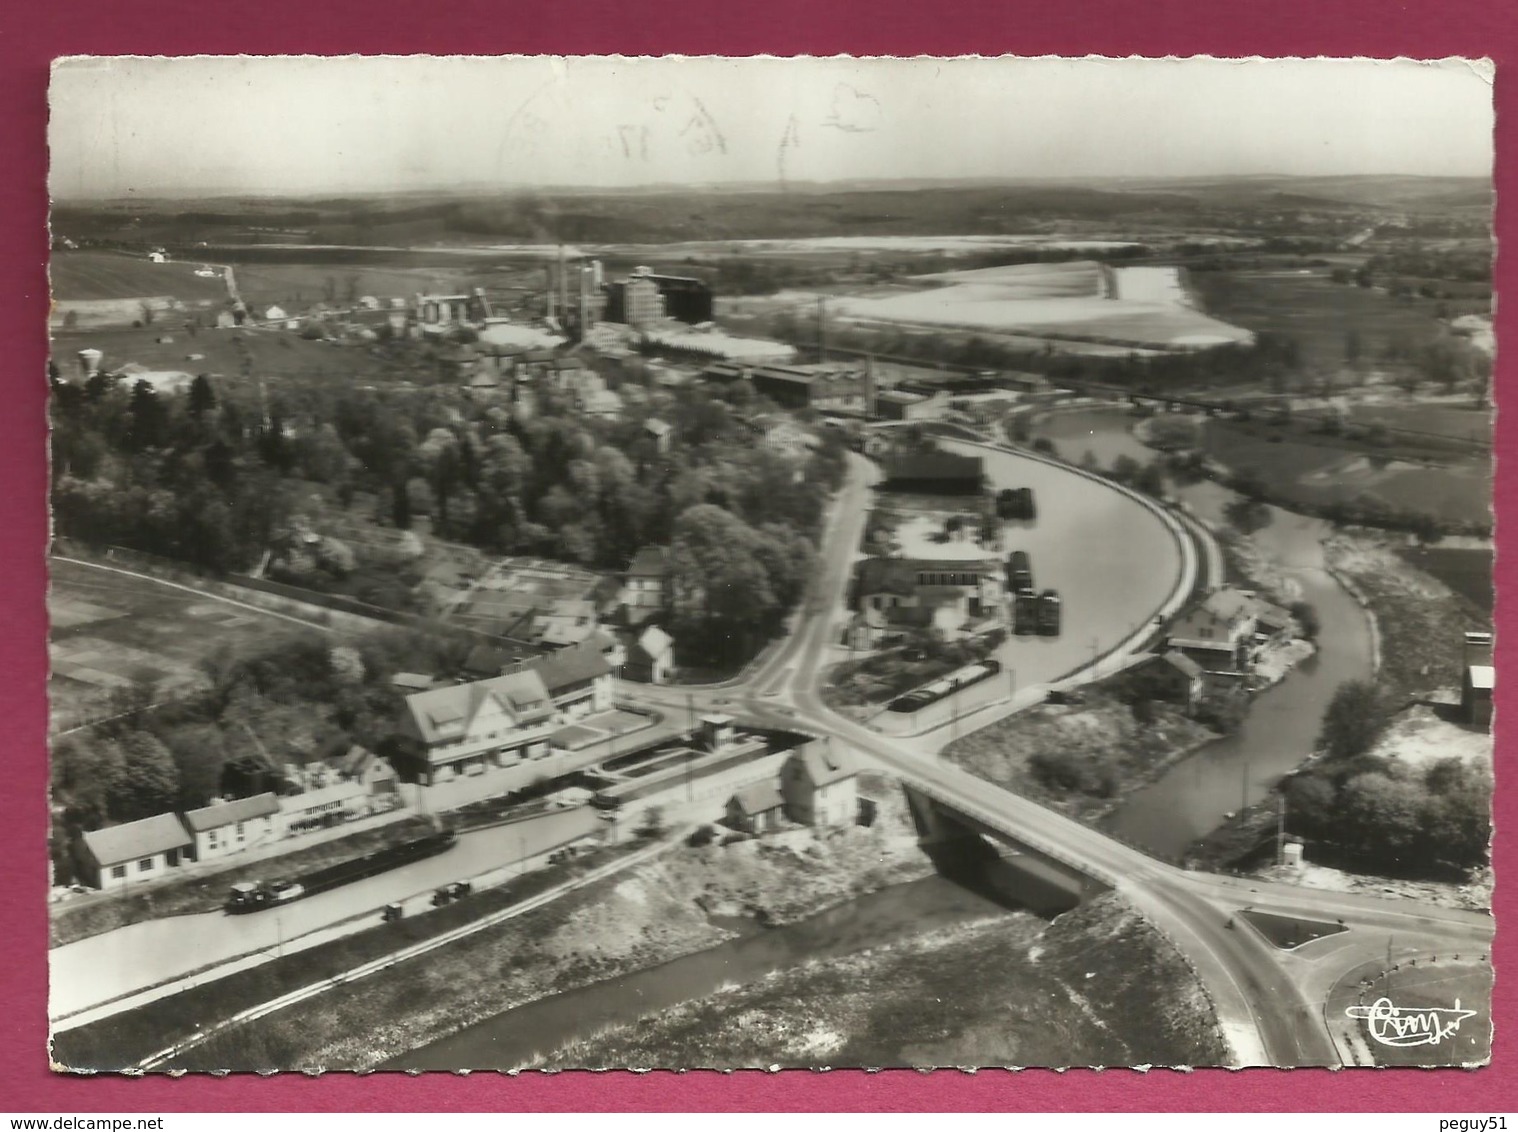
(349, 786)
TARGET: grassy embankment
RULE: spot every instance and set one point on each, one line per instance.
(649, 916)
(1097, 987)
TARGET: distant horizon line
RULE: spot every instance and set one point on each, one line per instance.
(905, 183)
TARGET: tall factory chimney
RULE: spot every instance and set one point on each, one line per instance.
(869, 386)
(563, 283)
(822, 329)
(584, 300)
(548, 292)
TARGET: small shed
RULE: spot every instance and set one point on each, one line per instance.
(757, 808)
(1476, 689)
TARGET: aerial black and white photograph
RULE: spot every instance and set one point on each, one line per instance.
(701, 562)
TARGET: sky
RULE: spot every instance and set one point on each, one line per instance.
(309, 125)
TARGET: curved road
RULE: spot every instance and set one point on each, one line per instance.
(1269, 1002)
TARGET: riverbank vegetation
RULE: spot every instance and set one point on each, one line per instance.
(1081, 758)
(1098, 986)
(1369, 802)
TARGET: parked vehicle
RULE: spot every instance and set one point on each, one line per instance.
(1019, 571)
(392, 913)
(1025, 611)
(919, 698)
(1049, 613)
(1016, 503)
(254, 896)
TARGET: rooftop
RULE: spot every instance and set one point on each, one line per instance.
(648, 563)
(759, 798)
(229, 813)
(137, 839)
(571, 666)
(445, 713)
(825, 764)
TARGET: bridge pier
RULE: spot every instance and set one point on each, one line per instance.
(994, 862)
(935, 827)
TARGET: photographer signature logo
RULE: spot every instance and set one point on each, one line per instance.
(1422, 1026)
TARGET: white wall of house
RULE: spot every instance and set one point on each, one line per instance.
(225, 840)
(118, 876)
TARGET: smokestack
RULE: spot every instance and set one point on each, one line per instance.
(869, 386)
(548, 294)
(563, 282)
(584, 301)
(822, 329)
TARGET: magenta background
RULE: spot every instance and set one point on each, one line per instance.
(34, 33)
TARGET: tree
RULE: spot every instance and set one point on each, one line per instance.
(721, 592)
(1247, 516)
(1353, 720)
(202, 398)
(86, 775)
(147, 418)
(150, 781)
(1306, 618)
(400, 505)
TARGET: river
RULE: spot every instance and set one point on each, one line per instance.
(1191, 799)
(514, 1037)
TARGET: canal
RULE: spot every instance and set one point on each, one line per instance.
(517, 1037)
(1193, 797)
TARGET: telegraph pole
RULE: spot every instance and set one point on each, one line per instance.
(1244, 788)
(1280, 827)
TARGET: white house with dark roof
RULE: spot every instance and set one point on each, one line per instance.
(1217, 631)
(136, 851)
(651, 656)
(468, 728)
(228, 827)
(820, 785)
(757, 808)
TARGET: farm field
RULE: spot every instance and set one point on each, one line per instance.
(296, 286)
(1460, 421)
(1317, 312)
(1030, 280)
(275, 353)
(1316, 470)
(1466, 571)
(946, 245)
(80, 275)
(1053, 301)
(110, 630)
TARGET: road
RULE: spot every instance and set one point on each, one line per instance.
(1269, 1002)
